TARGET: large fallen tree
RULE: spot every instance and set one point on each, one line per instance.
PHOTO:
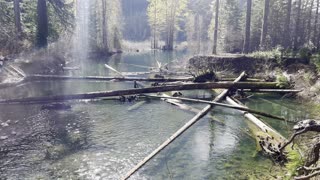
(191, 86)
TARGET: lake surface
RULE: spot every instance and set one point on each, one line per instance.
(105, 139)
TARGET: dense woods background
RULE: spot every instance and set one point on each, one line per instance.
(205, 26)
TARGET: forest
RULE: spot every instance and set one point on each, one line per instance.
(159, 89)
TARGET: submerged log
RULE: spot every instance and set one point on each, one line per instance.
(201, 114)
(227, 106)
(100, 94)
(268, 139)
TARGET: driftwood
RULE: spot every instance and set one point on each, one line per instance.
(308, 125)
(100, 94)
(302, 127)
(225, 105)
(201, 114)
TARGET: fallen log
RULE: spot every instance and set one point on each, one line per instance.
(201, 114)
(39, 77)
(100, 94)
(247, 79)
(272, 90)
(224, 105)
(268, 139)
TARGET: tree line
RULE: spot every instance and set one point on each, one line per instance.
(26, 24)
(236, 26)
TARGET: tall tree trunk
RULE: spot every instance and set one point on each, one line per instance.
(297, 28)
(265, 24)
(246, 47)
(171, 24)
(309, 22)
(17, 18)
(316, 35)
(167, 25)
(104, 25)
(155, 26)
(216, 26)
(42, 24)
(287, 39)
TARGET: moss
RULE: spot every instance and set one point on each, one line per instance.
(295, 161)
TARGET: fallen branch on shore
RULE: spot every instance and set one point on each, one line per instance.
(224, 105)
(201, 114)
(191, 86)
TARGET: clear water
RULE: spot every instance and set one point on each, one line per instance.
(105, 139)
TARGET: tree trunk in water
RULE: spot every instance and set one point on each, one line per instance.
(297, 28)
(246, 46)
(193, 86)
(216, 26)
(287, 40)
(42, 24)
(265, 24)
(17, 16)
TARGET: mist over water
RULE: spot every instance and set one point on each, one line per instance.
(81, 35)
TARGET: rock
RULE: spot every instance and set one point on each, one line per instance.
(3, 137)
(5, 124)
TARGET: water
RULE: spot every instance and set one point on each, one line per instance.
(105, 139)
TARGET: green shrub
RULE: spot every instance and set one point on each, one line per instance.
(283, 81)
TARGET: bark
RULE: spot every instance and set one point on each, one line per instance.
(17, 12)
(100, 94)
(297, 28)
(246, 46)
(42, 24)
(216, 26)
(287, 41)
(201, 114)
(264, 31)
